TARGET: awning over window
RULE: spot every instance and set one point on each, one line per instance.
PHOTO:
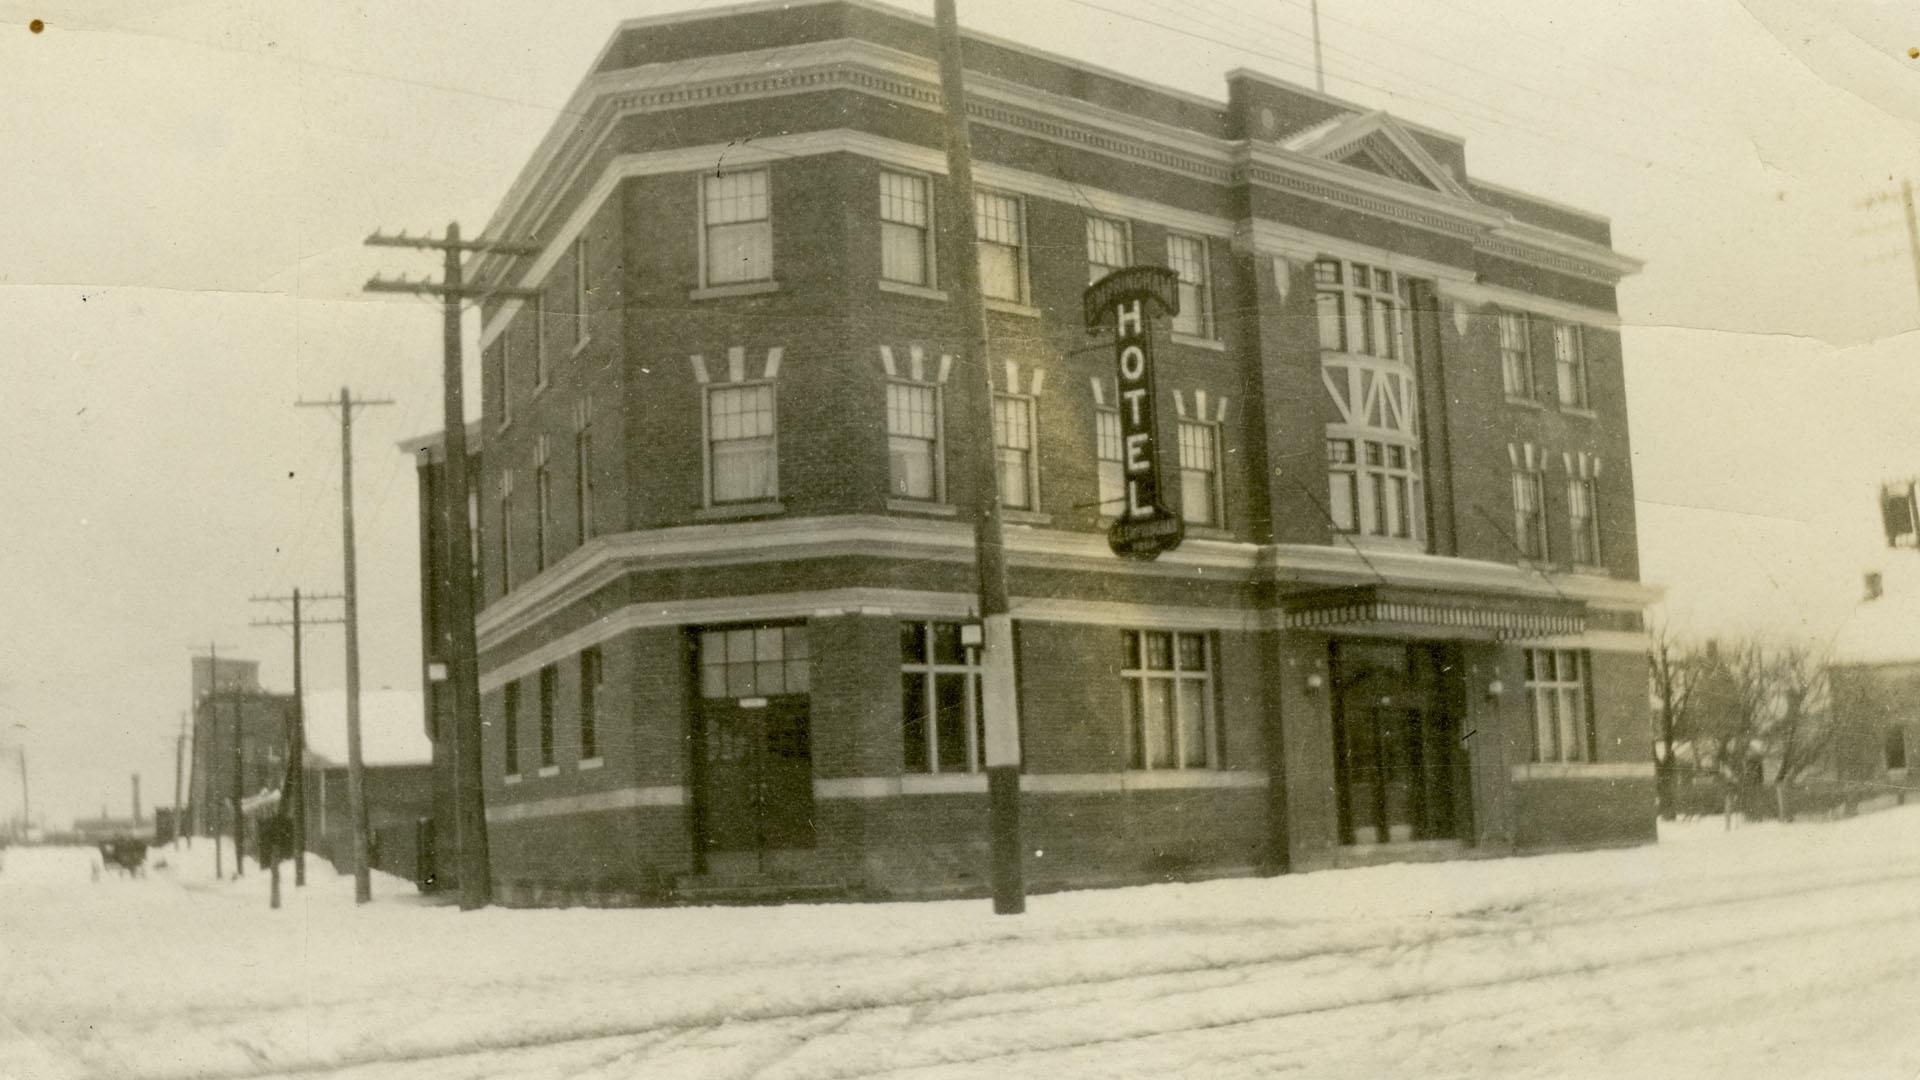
(1384, 607)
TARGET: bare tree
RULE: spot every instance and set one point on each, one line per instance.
(1675, 666)
(1801, 731)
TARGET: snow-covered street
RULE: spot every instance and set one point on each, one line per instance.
(1768, 951)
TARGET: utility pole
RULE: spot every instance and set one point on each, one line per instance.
(1905, 198)
(456, 574)
(297, 731)
(136, 798)
(26, 804)
(1000, 704)
(1319, 66)
(356, 789)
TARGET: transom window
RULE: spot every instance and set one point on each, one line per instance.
(1167, 700)
(913, 439)
(738, 227)
(1000, 231)
(1109, 246)
(758, 661)
(1107, 448)
(1187, 256)
(1200, 472)
(1556, 687)
(1516, 355)
(906, 229)
(1529, 513)
(1570, 364)
(1362, 309)
(1583, 522)
(1013, 439)
(940, 708)
(740, 439)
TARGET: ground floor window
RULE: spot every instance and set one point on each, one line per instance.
(1167, 700)
(940, 710)
(1896, 748)
(1556, 689)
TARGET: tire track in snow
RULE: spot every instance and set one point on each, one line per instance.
(856, 1003)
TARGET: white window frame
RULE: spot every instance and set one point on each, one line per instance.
(1378, 486)
(1096, 268)
(761, 228)
(935, 440)
(1371, 310)
(1561, 712)
(1032, 406)
(1018, 246)
(1570, 366)
(1530, 530)
(1136, 675)
(1209, 432)
(1196, 313)
(1110, 475)
(1516, 355)
(929, 277)
(1343, 512)
(707, 441)
(925, 673)
(1584, 491)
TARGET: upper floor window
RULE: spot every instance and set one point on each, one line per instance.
(1109, 246)
(542, 503)
(1570, 364)
(583, 523)
(913, 439)
(1167, 700)
(740, 443)
(1362, 309)
(1583, 523)
(1556, 688)
(1516, 355)
(940, 711)
(1200, 472)
(582, 288)
(1530, 512)
(1187, 256)
(1374, 487)
(1013, 441)
(537, 309)
(737, 222)
(505, 380)
(906, 229)
(1001, 235)
(1107, 452)
(506, 532)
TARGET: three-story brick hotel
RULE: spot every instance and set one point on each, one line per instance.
(726, 555)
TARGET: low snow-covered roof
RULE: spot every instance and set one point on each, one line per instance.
(1886, 629)
(392, 727)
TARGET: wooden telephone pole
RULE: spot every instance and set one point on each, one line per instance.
(356, 790)
(297, 730)
(213, 730)
(998, 698)
(456, 562)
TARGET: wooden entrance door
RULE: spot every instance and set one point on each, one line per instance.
(757, 739)
(1394, 743)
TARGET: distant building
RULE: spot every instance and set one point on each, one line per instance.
(1875, 682)
(725, 547)
(261, 717)
(398, 774)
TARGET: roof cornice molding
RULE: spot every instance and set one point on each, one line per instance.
(1291, 242)
(1476, 294)
(1535, 246)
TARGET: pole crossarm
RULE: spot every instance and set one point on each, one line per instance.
(303, 403)
(301, 623)
(437, 243)
(434, 288)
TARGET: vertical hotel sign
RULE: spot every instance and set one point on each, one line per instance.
(1129, 300)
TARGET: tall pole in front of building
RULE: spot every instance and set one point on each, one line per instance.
(456, 577)
(999, 701)
(296, 794)
(356, 781)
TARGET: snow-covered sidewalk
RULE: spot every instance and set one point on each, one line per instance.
(1767, 951)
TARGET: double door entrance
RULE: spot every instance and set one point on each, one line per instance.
(1398, 763)
(754, 741)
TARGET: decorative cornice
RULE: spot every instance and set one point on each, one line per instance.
(1477, 295)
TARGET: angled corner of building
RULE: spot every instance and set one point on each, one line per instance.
(725, 550)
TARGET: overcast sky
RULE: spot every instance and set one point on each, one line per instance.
(186, 187)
